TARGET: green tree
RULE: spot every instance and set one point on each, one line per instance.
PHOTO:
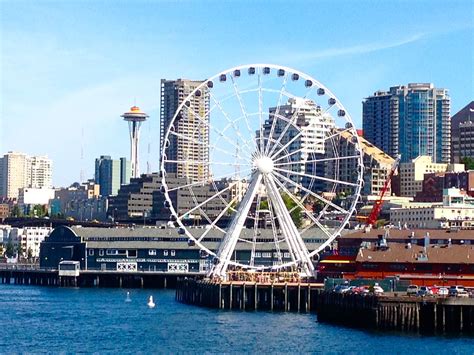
(295, 211)
(16, 212)
(10, 250)
(468, 162)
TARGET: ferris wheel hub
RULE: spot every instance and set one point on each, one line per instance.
(264, 164)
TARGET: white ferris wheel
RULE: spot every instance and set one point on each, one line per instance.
(267, 161)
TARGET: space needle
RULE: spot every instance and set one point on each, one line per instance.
(134, 117)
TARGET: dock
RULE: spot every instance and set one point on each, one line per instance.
(248, 295)
(34, 275)
(428, 315)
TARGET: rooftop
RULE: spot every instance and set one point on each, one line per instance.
(407, 234)
(400, 253)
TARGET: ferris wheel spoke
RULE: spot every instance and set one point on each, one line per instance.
(300, 205)
(312, 193)
(293, 238)
(242, 108)
(338, 133)
(198, 206)
(317, 160)
(260, 109)
(221, 214)
(203, 182)
(202, 162)
(293, 119)
(212, 127)
(287, 144)
(255, 229)
(275, 233)
(202, 212)
(214, 147)
(250, 150)
(276, 113)
(316, 177)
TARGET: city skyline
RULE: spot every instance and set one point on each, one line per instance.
(68, 67)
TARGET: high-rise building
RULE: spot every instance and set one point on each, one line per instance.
(410, 120)
(189, 128)
(18, 170)
(40, 172)
(135, 117)
(314, 127)
(110, 174)
(462, 133)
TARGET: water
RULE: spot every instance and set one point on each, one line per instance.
(43, 319)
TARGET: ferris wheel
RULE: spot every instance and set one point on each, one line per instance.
(261, 168)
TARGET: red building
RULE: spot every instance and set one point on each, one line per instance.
(434, 183)
(442, 265)
(447, 260)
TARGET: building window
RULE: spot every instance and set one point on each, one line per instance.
(152, 252)
(173, 252)
(112, 252)
(266, 255)
(132, 253)
(101, 252)
(91, 252)
(165, 252)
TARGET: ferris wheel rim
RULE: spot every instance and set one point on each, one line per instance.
(317, 83)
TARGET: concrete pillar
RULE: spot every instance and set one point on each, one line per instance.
(271, 297)
(299, 296)
(255, 297)
(220, 295)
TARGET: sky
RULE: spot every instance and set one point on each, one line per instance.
(69, 69)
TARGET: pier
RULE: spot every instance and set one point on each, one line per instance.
(395, 312)
(33, 275)
(245, 295)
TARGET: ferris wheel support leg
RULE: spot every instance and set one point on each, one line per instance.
(295, 242)
(226, 249)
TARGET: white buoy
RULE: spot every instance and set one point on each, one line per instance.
(128, 299)
(150, 303)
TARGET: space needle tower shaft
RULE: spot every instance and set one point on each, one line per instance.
(134, 117)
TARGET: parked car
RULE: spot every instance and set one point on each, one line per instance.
(454, 290)
(412, 290)
(377, 289)
(462, 293)
(424, 291)
(434, 290)
(443, 291)
(360, 290)
(341, 288)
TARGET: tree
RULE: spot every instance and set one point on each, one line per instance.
(468, 162)
(295, 211)
(10, 250)
(16, 212)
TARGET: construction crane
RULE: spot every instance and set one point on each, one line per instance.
(374, 214)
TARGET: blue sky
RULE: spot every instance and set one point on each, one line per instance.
(74, 66)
